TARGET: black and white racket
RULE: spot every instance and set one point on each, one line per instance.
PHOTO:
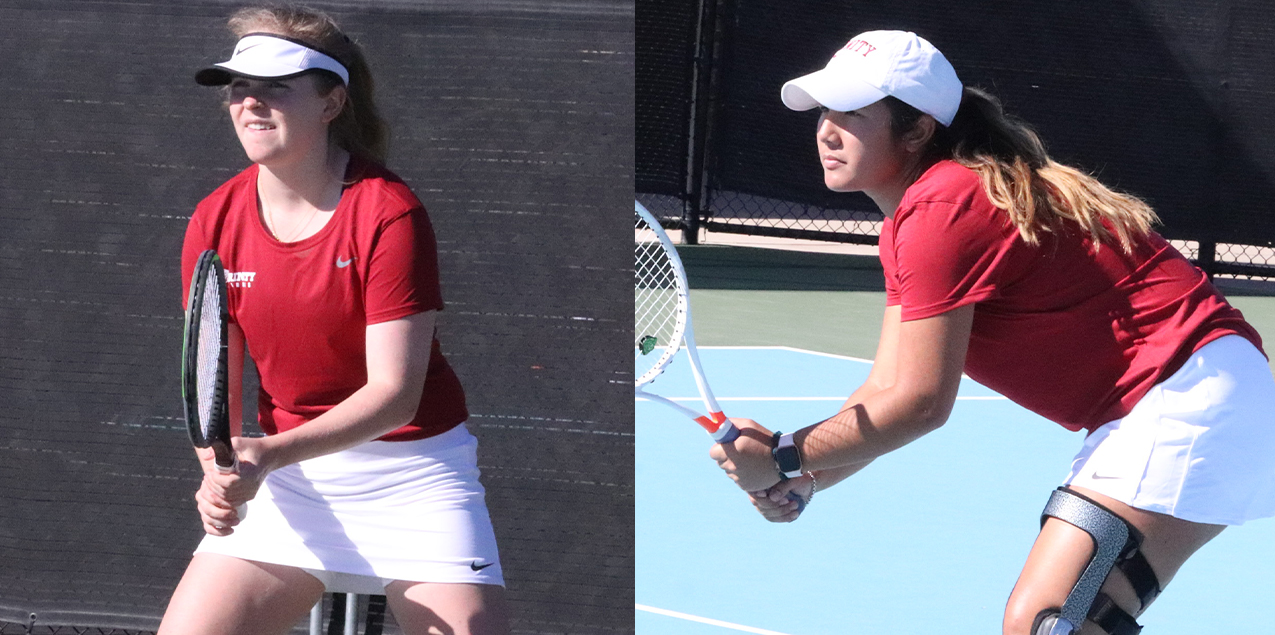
(205, 386)
(662, 326)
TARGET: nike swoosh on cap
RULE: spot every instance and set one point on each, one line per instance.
(240, 51)
(479, 567)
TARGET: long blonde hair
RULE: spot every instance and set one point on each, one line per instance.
(359, 129)
(1038, 194)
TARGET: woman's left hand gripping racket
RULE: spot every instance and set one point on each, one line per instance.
(205, 384)
(662, 318)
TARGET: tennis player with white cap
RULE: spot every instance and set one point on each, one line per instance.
(367, 478)
(877, 65)
(1040, 282)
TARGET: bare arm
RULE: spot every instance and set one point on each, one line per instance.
(909, 398)
(910, 392)
(397, 363)
(235, 359)
(879, 378)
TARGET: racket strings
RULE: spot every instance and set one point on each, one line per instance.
(209, 353)
(656, 301)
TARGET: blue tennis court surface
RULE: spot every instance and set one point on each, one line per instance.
(927, 539)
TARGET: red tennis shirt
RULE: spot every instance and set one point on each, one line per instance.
(304, 306)
(1072, 332)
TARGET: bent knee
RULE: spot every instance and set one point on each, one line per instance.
(1020, 615)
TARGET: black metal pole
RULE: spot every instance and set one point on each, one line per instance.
(693, 210)
(1206, 259)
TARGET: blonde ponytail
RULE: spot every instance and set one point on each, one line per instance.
(1038, 194)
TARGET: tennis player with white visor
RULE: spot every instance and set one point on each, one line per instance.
(1040, 282)
(367, 479)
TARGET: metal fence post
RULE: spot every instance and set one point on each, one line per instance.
(1207, 258)
(701, 98)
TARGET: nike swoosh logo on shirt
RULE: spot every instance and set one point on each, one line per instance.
(341, 264)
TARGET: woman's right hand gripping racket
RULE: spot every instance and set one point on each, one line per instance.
(205, 384)
(662, 318)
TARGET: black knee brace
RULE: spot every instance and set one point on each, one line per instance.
(1116, 544)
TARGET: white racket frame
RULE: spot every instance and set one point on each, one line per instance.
(714, 422)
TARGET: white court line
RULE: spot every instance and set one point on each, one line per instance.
(785, 348)
(832, 355)
(967, 398)
(751, 399)
(808, 352)
(706, 620)
(795, 350)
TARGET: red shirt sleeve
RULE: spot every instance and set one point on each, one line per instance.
(403, 272)
(947, 255)
(888, 266)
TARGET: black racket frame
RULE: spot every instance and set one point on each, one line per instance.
(219, 438)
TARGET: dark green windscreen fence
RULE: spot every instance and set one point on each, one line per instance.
(512, 121)
(1166, 99)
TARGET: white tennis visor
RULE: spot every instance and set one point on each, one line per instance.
(269, 56)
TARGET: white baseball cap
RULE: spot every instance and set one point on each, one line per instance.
(877, 64)
(270, 56)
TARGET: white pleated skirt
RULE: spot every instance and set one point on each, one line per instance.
(1199, 446)
(379, 512)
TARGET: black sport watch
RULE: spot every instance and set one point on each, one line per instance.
(787, 459)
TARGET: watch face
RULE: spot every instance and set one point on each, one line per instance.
(787, 460)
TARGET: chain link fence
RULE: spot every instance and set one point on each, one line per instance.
(758, 165)
(742, 213)
(30, 628)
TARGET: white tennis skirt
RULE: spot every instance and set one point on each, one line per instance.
(379, 512)
(1199, 446)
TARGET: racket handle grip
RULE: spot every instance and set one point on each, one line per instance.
(796, 498)
(726, 433)
(224, 456)
(227, 469)
(242, 510)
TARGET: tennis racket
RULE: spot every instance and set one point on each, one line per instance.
(205, 389)
(662, 318)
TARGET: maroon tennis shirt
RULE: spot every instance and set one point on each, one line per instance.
(304, 306)
(1069, 330)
